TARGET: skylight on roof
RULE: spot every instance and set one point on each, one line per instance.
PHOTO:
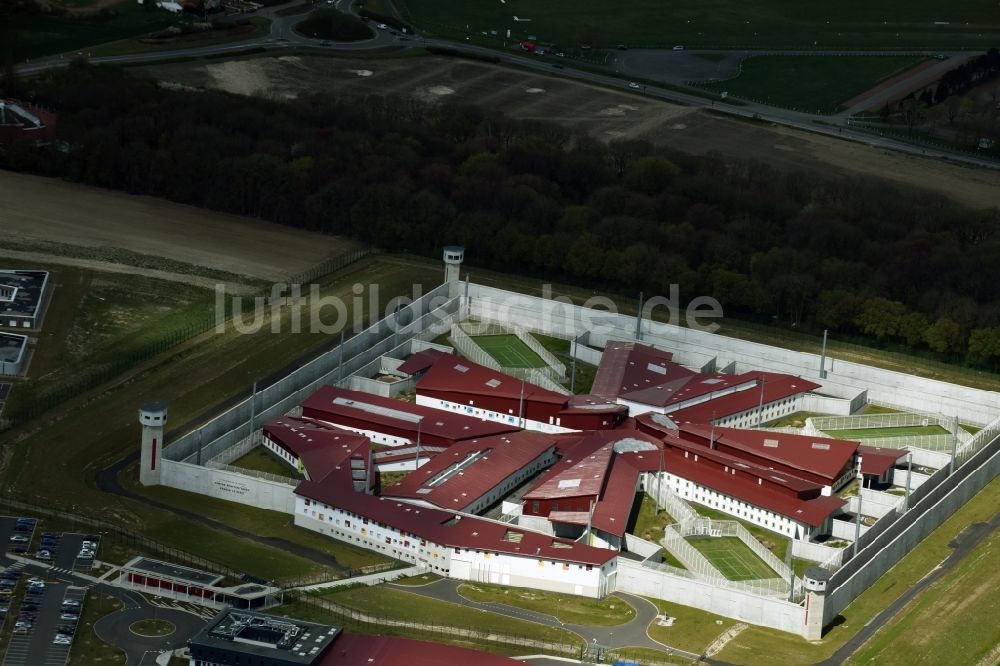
(712, 380)
(462, 368)
(493, 383)
(771, 443)
(658, 369)
(569, 483)
(821, 446)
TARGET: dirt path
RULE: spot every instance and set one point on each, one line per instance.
(42, 259)
(52, 210)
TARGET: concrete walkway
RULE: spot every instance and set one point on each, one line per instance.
(629, 634)
(369, 579)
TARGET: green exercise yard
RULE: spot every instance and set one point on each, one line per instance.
(732, 558)
(875, 433)
(812, 83)
(509, 351)
(715, 23)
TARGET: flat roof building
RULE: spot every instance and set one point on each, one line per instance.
(22, 297)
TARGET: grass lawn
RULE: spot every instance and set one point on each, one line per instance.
(732, 558)
(509, 351)
(650, 523)
(757, 645)
(261, 522)
(304, 611)
(951, 623)
(559, 348)
(88, 649)
(240, 554)
(417, 581)
(398, 604)
(262, 460)
(875, 433)
(261, 26)
(152, 628)
(714, 23)
(811, 83)
(37, 35)
(773, 541)
(569, 608)
(794, 420)
(693, 630)
(878, 409)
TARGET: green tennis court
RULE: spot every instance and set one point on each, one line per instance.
(509, 351)
(732, 558)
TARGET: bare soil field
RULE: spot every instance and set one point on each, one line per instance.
(603, 113)
(46, 209)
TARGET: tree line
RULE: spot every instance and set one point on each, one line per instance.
(861, 257)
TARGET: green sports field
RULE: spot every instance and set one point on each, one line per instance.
(509, 351)
(875, 433)
(716, 23)
(732, 558)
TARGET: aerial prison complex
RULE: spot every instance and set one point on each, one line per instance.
(510, 478)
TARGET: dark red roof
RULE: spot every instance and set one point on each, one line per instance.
(329, 402)
(822, 456)
(420, 361)
(493, 459)
(875, 460)
(323, 449)
(457, 375)
(777, 386)
(455, 531)
(605, 465)
(631, 366)
(362, 650)
(745, 487)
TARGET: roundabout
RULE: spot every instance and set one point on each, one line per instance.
(138, 631)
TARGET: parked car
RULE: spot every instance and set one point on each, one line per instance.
(68, 629)
(70, 603)
(679, 47)
(21, 630)
(634, 85)
(382, 26)
(69, 617)
(19, 538)
(43, 555)
(62, 640)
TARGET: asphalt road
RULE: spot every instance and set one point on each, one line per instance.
(629, 634)
(670, 67)
(115, 628)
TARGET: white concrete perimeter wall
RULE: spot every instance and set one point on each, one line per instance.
(841, 529)
(826, 404)
(815, 552)
(640, 546)
(586, 354)
(693, 347)
(231, 486)
(633, 577)
(874, 503)
(932, 459)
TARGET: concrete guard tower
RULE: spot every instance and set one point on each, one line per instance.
(815, 580)
(153, 418)
(453, 256)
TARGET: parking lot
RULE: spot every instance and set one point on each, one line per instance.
(47, 607)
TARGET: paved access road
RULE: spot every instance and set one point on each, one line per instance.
(670, 67)
(629, 634)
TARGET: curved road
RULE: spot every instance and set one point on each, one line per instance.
(670, 67)
(114, 628)
(628, 634)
